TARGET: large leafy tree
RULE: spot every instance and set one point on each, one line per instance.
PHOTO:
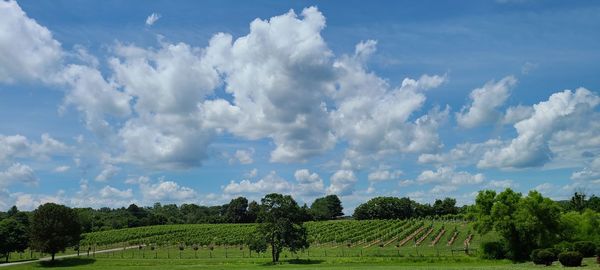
(13, 237)
(523, 223)
(280, 226)
(326, 208)
(54, 228)
(386, 208)
(237, 209)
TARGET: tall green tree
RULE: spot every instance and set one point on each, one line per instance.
(237, 210)
(386, 208)
(13, 237)
(523, 223)
(280, 226)
(327, 208)
(54, 228)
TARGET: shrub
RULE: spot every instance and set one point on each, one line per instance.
(570, 258)
(586, 248)
(493, 250)
(564, 246)
(543, 256)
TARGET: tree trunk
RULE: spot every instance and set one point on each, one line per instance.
(53, 256)
(273, 252)
(7, 254)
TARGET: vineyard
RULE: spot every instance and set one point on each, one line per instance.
(336, 237)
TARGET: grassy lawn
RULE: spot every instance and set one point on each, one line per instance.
(263, 263)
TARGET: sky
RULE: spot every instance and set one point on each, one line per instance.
(108, 103)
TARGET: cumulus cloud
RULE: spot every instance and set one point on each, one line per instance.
(62, 169)
(516, 114)
(268, 184)
(27, 50)
(447, 175)
(383, 175)
(375, 118)
(111, 192)
(107, 173)
(18, 146)
(342, 183)
(461, 154)
(309, 184)
(484, 103)
(278, 75)
(152, 18)
(167, 191)
(589, 173)
(17, 173)
(501, 184)
(563, 110)
(242, 156)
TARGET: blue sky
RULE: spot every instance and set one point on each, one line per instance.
(110, 103)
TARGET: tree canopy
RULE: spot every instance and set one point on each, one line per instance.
(54, 228)
(280, 226)
(326, 208)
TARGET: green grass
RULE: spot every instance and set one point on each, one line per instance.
(325, 263)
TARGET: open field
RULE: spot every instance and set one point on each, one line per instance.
(393, 244)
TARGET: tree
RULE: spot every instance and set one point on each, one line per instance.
(523, 223)
(253, 210)
(327, 208)
(577, 202)
(280, 226)
(237, 210)
(13, 237)
(386, 208)
(54, 228)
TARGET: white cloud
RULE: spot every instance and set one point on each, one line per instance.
(152, 18)
(562, 111)
(62, 169)
(383, 175)
(27, 50)
(18, 146)
(18, 173)
(308, 183)
(589, 173)
(447, 175)
(484, 103)
(342, 183)
(375, 118)
(501, 184)
(252, 173)
(95, 97)
(278, 75)
(167, 191)
(107, 173)
(461, 154)
(243, 156)
(516, 114)
(268, 184)
(111, 192)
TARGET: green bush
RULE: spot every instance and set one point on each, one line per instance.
(543, 256)
(564, 246)
(494, 250)
(570, 258)
(586, 248)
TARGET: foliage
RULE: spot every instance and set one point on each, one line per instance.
(543, 256)
(54, 228)
(584, 226)
(570, 258)
(586, 248)
(495, 250)
(326, 208)
(524, 223)
(13, 237)
(280, 225)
